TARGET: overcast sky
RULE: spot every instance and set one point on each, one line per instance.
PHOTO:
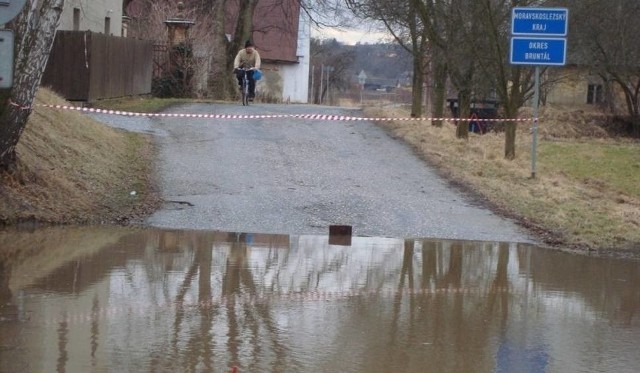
(351, 36)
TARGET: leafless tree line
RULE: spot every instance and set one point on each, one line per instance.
(466, 43)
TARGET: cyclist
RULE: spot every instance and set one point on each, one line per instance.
(247, 58)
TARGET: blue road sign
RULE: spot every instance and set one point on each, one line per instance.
(538, 51)
(539, 21)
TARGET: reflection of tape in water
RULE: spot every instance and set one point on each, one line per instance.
(258, 299)
(322, 117)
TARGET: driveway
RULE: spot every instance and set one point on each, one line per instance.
(298, 176)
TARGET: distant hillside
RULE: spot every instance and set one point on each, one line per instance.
(388, 62)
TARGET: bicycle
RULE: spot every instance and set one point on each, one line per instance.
(244, 88)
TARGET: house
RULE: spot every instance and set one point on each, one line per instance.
(574, 85)
(281, 32)
(103, 16)
(282, 35)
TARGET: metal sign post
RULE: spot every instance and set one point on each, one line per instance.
(534, 130)
(539, 40)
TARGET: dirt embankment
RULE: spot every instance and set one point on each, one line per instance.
(72, 169)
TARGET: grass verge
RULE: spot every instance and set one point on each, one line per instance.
(72, 169)
(585, 196)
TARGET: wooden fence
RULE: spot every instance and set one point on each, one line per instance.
(86, 66)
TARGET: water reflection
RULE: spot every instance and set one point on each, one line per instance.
(109, 299)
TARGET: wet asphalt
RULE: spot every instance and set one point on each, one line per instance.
(298, 176)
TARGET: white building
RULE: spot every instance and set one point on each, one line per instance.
(104, 16)
(296, 77)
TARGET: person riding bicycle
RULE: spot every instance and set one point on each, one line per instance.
(245, 59)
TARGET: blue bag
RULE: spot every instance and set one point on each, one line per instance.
(257, 74)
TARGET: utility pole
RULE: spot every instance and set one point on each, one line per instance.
(321, 79)
(362, 79)
(329, 70)
(311, 94)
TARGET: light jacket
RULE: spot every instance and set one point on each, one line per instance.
(246, 60)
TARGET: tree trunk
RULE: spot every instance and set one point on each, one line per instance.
(34, 31)
(419, 45)
(439, 92)
(221, 79)
(243, 30)
(416, 92)
(464, 110)
(510, 133)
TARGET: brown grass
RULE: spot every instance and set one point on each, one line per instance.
(72, 169)
(572, 212)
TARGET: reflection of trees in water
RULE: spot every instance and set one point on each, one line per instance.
(243, 320)
(5, 292)
(499, 286)
(423, 305)
(63, 356)
(610, 286)
(443, 316)
(238, 279)
(226, 329)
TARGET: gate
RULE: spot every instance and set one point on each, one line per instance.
(160, 60)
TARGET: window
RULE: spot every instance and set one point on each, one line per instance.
(76, 19)
(594, 94)
(107, 25)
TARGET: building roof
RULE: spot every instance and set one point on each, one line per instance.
(275, 28)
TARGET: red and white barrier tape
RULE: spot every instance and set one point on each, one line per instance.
(323, 117)
(137, 309)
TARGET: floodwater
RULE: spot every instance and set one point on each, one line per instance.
(108, 299)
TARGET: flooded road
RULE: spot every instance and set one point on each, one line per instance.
(140, 299)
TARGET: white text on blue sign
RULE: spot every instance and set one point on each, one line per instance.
(538, 51)
(539, 21)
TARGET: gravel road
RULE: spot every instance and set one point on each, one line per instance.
(295, 176)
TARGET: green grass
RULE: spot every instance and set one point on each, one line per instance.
(614, 165)
(584, 197)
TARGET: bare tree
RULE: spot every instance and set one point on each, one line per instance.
(207, 37)
(328, 53)
(606, 40)
(222, 27)
(456, 38)
(468, 41)
(513, 83)
(34, 30)
(403, 21)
